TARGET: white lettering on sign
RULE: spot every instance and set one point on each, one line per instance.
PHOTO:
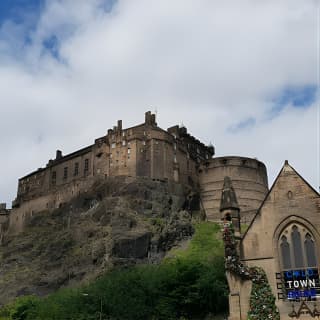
(302, 283)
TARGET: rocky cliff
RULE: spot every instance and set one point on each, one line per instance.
(120, 221)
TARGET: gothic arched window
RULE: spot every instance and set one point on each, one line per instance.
(310, 251)
(285, 253)
(297, 248)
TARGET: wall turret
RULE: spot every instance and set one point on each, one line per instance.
(229, 207)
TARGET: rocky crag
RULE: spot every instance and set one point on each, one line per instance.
(121, 221)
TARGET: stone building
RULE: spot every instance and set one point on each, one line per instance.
(4, 219)
(273, 268)
(249, 179)
(143, 150)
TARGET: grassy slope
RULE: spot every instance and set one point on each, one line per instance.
(189, 286)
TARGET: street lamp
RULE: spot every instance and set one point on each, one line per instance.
(86, 295)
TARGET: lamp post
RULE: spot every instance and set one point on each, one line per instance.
(100, 316)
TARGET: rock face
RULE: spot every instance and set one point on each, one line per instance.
(120, 221)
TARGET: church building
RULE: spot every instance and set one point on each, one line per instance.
(273, 267)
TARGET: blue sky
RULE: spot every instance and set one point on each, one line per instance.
(240, 74)
(20, 11)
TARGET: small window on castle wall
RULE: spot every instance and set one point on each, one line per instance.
(175, 159)
(113, 145)
(65, 173)
(76, 169)
(129, 151)
(144, 143)
(175, 146)
(124, 142)
(86, 165)
(53, 177)
(123, 133)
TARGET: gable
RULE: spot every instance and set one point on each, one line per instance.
(290, 198)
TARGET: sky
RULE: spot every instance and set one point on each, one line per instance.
(243, 75)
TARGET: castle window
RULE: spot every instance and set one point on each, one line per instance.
(124, 142)
(175, 159)
(65, 173)
(144, 143)
(86, 166)
(53, 177)
(123, 133)
(175, 146)
(129, 151)
(76, 169)
(113, 145)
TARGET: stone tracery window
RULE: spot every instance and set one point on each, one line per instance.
(297, 248)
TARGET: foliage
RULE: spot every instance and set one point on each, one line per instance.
(189, 286)
(206, 244)
(262, 300)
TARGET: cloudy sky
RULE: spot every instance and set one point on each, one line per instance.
(240, 74)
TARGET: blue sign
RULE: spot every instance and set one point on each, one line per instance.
(301, 283)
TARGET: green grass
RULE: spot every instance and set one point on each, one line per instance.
(206, 244)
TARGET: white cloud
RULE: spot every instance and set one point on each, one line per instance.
(208, 64)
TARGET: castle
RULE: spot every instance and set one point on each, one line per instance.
(144, 150)
(281, 245)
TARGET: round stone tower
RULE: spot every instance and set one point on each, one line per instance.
(249, 180)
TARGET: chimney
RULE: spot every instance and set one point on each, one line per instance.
(58, 154)
(119, 125)
(148, 118)
(153, 119)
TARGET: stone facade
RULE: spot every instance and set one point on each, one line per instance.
(144, 150)
(249, 179)
(284, 240)
(4, 219)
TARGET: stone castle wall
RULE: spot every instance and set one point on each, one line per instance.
(249, 179)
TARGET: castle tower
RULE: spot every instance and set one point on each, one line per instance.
(229, 207)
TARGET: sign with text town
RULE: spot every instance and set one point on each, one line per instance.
(302, 283)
